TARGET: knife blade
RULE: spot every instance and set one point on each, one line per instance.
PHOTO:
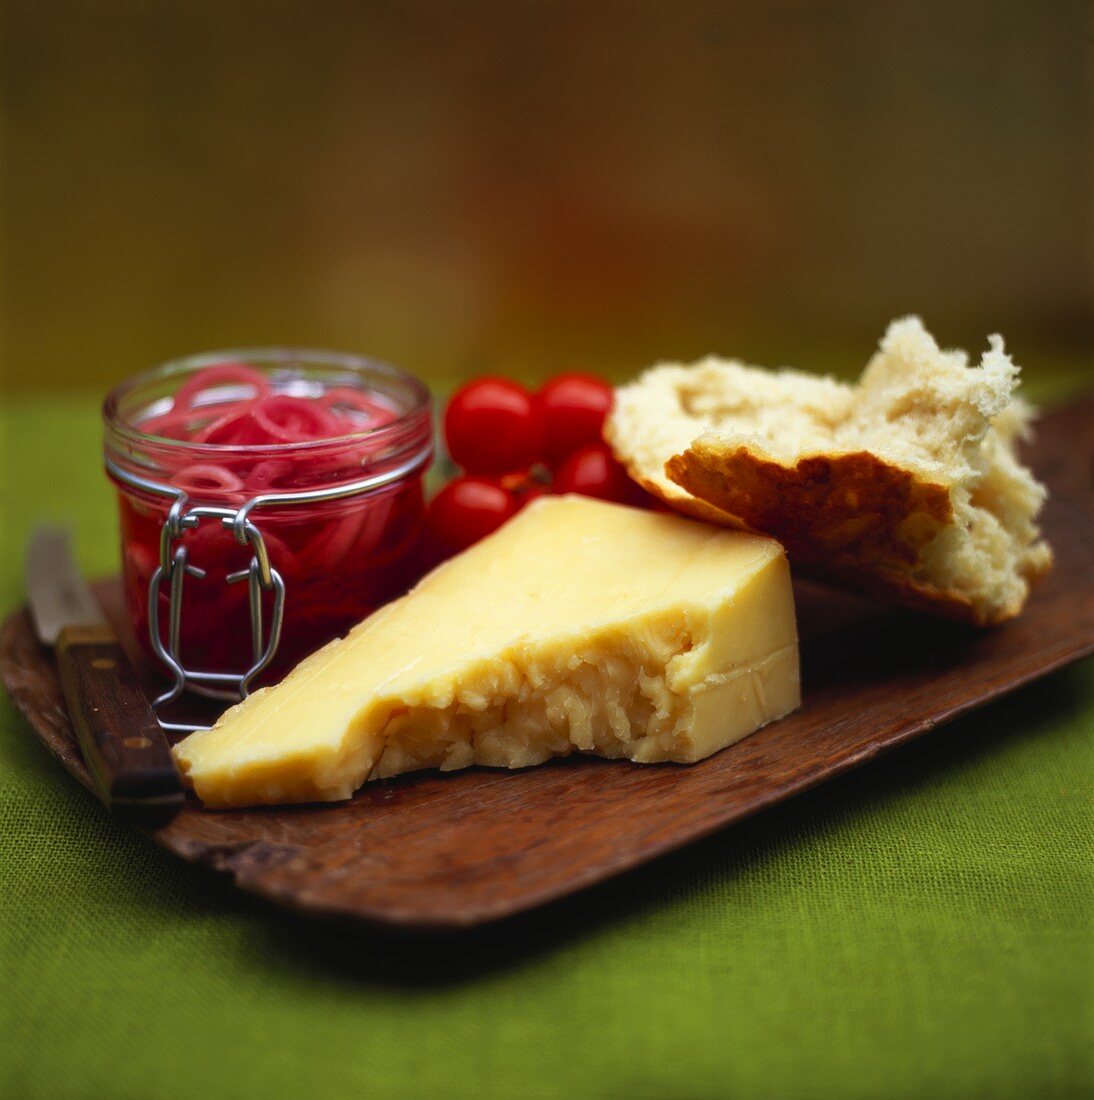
(122, 742)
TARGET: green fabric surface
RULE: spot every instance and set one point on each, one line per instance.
(919, 928)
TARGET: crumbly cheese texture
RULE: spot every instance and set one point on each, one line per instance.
(579, 626)
(906, 484)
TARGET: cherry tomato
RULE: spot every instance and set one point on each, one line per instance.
(493, 426)
(468, 509)
(594, 472)
(574, 407)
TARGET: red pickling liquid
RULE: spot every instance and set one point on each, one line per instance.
(340, 560)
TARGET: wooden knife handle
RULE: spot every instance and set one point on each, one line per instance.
(123, 745)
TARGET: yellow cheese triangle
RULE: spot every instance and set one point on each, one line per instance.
(578, 626)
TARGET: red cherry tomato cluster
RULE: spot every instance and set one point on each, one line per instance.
(514, 445)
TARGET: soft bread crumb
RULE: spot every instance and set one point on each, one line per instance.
(905, 485)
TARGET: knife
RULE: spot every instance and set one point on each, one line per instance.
(122, 742)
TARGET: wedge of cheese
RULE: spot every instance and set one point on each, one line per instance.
(579, 626)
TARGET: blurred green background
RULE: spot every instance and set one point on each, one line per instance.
(522, 186)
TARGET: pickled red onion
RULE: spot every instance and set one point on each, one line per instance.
(339, 561)
(207, 477)
(288, 419)
(235, 428)
(333, 542)
(264, 417)
(174, 424)
(223, 374)
(267, 473)
(376, 413)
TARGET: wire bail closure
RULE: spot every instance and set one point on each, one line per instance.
(174, 567)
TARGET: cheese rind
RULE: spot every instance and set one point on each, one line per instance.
(579, 626)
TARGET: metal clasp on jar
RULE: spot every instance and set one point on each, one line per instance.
(173, 569)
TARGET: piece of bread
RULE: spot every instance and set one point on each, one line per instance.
(905, 485)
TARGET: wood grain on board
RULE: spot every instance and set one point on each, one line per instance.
(429, 851)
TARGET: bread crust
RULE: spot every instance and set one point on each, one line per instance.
(852, 519)
(679, 501)
(826, 507)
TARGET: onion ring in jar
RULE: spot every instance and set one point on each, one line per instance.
(206, 478)
(233, 429)
(174, 424)
(333, 542)
(375, 524)
(294, 419)
(223, 374)
(374, 413)
(268, 474)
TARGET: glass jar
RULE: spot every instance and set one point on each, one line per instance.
(241, 558)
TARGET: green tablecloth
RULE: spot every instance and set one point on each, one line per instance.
(920, 928)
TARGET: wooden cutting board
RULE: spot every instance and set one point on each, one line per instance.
(445, 852)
